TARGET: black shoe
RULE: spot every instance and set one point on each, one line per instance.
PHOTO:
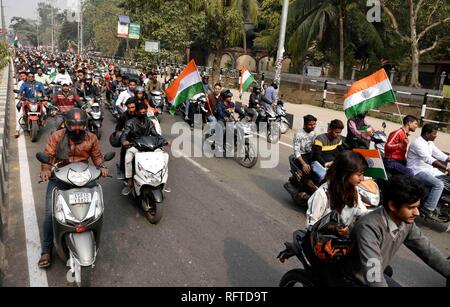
(431, 215)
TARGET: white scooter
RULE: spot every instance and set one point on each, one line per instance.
(150, 176)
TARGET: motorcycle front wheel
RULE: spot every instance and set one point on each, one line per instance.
(154, 215)
(34, 131)
(250, 156)
(273, 133)
(296, 278)
(283, 127)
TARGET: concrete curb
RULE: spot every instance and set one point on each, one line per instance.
(4, 94)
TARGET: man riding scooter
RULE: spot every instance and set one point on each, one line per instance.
(70, 145)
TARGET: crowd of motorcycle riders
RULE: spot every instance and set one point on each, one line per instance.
(326, 174)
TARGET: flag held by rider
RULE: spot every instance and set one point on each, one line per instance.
(246, 80)
(375, 161)
(186, 86)
(369, 93)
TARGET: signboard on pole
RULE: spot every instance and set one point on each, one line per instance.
(134, 31)
(122, 26)
(152, 46)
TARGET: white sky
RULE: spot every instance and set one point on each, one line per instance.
(28, 8)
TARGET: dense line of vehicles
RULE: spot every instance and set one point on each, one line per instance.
(78, 207)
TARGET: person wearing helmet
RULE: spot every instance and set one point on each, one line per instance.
(256, 101)
(226, 107)
(88, 89)
(137, 127)
(70, 145)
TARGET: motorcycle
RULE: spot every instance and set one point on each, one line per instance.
(77, 217)
(300, 190)
(151, 165)
(95, 115)
(305, 277)
(197, 106)
(158, 100)
(243, 132)
(33, 116)
(267, 114)
(281, 117)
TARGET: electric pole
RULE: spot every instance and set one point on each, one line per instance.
(3, 22)
(81, 28)
(53, 28)
(280, 53)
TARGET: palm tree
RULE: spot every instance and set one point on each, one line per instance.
(315, 17)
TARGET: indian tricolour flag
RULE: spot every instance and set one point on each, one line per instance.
(368, 93)
(246, 80)
(376, 167)
(187, 85)
(16, 41)
(52, 76)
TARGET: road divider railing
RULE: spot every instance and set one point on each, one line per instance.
(4, 98)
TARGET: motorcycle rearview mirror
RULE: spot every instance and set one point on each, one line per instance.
(384, 125)
(109, 156)
(43, 158)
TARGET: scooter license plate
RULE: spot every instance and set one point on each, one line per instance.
(80, 198)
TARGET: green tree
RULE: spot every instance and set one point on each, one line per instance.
(312, 20)
(422, 24)
(225, 23)
(26, 29)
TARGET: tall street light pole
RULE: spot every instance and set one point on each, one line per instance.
(3, 21)
(280, 53)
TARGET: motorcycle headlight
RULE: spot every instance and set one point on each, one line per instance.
(33, 107)
(96, 115)
(79, 179)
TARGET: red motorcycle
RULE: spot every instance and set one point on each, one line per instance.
(33, 116)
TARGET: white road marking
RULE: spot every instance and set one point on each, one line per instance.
(37, 276)
(282, 143)
(192, 162)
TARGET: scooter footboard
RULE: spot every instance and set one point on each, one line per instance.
(83, 247)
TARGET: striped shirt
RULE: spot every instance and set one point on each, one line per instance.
(325, 149)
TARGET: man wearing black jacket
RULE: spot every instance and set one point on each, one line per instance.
(121, 122)
(137, 127)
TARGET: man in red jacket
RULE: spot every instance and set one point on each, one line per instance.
(396, 146)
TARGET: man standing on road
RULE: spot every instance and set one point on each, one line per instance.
(429, 164)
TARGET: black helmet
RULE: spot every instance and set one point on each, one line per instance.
(75, 117)
(226, 93)
(257, 89)
(114, 139)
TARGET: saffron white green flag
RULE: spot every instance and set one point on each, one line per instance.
(246, 80)
(52, 76)
(16, 41)
(368, 93)
(186, 86)
(376, 166)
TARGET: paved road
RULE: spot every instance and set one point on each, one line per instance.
(223, 225)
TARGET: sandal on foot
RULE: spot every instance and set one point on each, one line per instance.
(45, 261)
